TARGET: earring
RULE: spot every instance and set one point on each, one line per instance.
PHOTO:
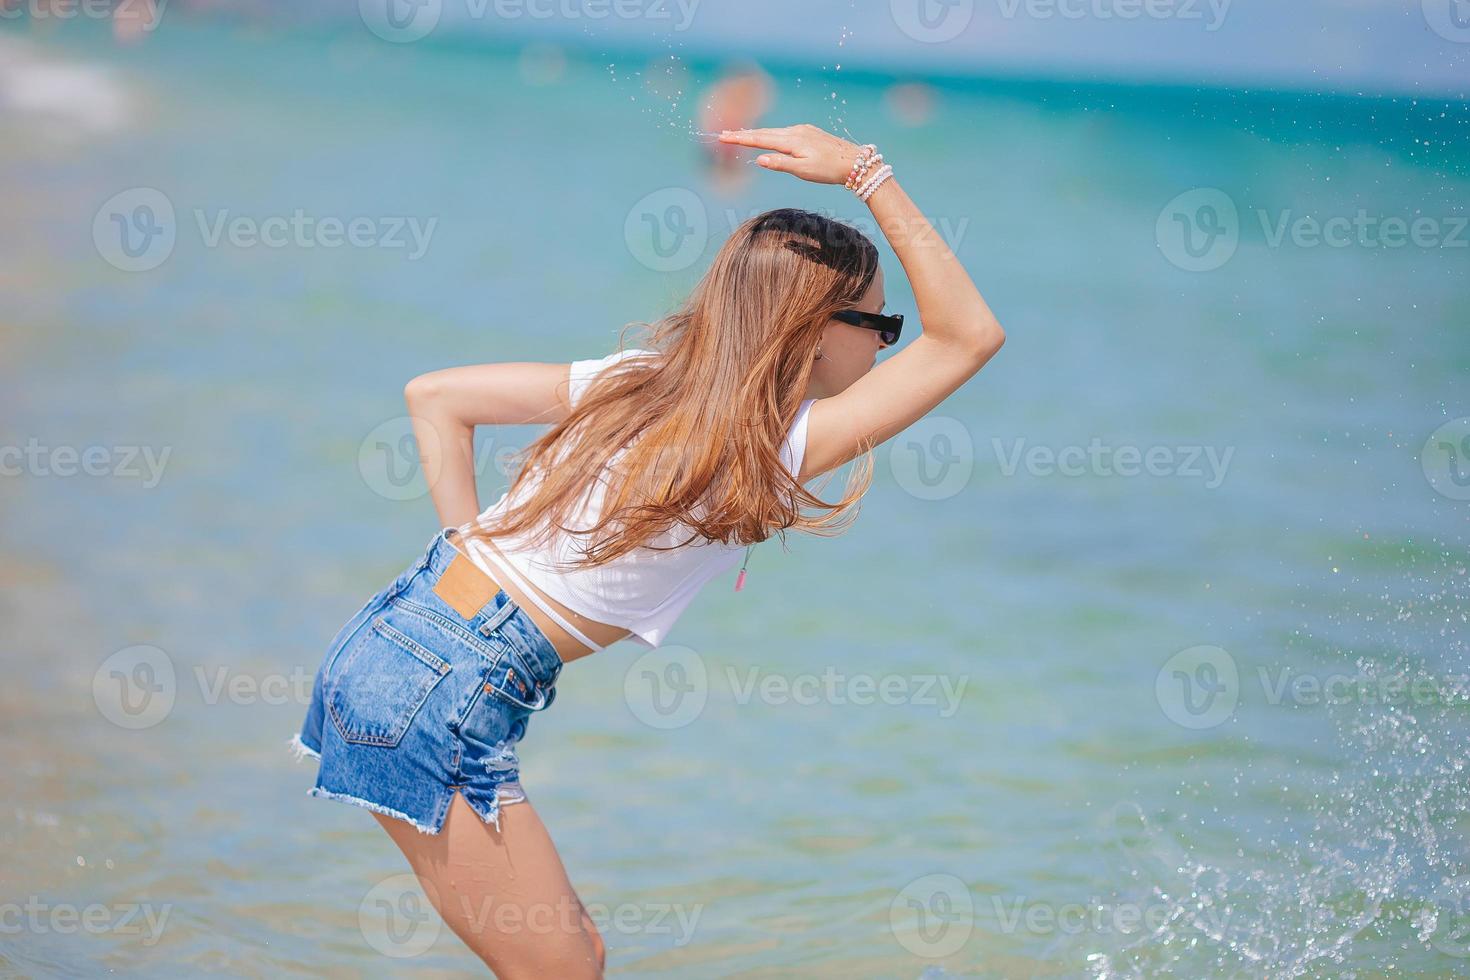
(819, 352)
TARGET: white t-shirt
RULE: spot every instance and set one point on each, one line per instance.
(644, 591)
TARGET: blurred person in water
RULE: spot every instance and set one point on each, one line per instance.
(736, 100)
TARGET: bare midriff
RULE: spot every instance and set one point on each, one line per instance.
(568, 647)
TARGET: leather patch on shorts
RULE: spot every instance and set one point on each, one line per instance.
(464, 588)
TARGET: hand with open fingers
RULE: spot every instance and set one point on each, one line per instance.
(805, 150)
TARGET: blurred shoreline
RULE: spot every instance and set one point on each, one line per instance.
(1434, 130)
(878, 51)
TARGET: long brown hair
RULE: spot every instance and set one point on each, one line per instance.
(697, 431)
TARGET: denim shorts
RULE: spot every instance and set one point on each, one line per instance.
(414, 700)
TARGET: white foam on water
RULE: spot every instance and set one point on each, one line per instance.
(1374, 851)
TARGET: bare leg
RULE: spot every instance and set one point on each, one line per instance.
(505, 893)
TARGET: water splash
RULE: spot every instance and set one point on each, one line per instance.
(1365, 863)
(661, 88)
(664, 87)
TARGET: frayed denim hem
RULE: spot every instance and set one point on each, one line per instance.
(327, 794)
(506, 794)
(300, 749)
(512, 794)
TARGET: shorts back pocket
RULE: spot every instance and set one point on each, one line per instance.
(384, 680)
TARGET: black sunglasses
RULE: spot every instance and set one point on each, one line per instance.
(889, 327)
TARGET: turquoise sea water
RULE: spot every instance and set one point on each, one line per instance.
(1060, 783)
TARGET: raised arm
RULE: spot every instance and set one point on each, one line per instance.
(445, 406)
(959, 332)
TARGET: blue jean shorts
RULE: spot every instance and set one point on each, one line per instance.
(415, 699)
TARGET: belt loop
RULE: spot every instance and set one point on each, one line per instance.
(500, 616)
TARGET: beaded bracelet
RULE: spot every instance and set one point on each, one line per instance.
(869, 165)
(866, 191)
(873, 184)
(860, 166)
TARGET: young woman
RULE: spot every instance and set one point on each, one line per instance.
(661, 467)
